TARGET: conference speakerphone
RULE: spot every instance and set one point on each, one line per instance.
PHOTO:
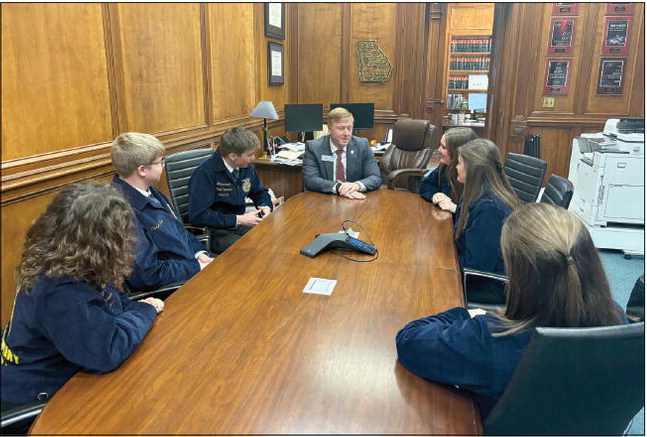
(336, 240)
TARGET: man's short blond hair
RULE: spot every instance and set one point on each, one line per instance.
(338, 114)
(132, 149)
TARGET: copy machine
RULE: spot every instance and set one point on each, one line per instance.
(607, 170)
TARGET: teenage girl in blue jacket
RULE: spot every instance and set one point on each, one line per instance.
(69, 314)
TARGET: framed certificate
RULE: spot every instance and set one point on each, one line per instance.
(274, 63)
(616, 35)
(620, 8)
(562, 31)
(275, 20)
(556, 76)
(565, 8)
(611, 76)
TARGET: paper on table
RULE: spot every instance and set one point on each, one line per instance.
(320, 286)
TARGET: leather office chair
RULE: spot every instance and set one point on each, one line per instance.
(574, 381)
(16, 421)
(411, 148)
(558, 191)
(525, 174)
(470, 275)
(179, 168)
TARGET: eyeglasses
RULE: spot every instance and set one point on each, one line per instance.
(161, 161)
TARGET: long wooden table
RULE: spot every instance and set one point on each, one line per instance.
(240, 349)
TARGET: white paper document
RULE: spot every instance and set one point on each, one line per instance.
(320, 286)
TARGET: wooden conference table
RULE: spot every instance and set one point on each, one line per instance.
(240, 349)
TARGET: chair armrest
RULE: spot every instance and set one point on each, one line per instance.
(396, 174)
(164, 291)
(23, 412)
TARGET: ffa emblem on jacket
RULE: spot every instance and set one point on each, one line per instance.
(247, 185)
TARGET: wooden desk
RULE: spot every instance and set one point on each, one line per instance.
(284, 180)
(241, 350)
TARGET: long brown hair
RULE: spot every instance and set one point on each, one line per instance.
(85, 233)
(482, 162)
(454, 138)
(556, 278)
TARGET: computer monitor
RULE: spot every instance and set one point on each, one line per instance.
(303, 117)
(477, 102)
(362, 113)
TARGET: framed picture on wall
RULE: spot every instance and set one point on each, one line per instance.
(611, 76)
(556, 76)
(616, 35)
(275, 20)
(562, 31)
(620, 8)
(274, 63)
(565, 8)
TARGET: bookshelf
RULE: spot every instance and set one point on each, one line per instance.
(469, 55)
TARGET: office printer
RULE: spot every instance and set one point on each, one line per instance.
(607, 170)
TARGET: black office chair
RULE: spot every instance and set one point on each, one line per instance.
(16, 421)
(179, 168)
(472, 277)
(636, 303)
(525, 174)
(411, 148)
(160, 293)
(558, 191)
(574, 381)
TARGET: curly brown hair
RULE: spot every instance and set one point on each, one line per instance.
(86, 233)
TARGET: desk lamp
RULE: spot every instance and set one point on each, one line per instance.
(265, 109)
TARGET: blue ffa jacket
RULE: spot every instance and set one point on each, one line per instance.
(216, 197)
(430, 184)
(453, 348)
(63, 326)
(478, 246)
(165, 251)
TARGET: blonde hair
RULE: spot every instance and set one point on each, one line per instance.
(132, 149)
(338, 114)
(556, 278)
(86, 233)
(482, 162)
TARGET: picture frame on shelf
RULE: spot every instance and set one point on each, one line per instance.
(274, 63)
(275, 20)
(616, 35)
(556, 76)
(562, 33)
(611, 76)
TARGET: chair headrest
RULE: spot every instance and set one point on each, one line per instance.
(409, 134)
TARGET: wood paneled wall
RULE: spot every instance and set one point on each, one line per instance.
(74, 76)
(521, 40)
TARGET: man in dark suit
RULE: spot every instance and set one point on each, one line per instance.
(340, 163)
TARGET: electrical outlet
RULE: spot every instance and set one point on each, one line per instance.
(549, 102)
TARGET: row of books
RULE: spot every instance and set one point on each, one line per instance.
(458, 82)
(472, 63)
(471, 45)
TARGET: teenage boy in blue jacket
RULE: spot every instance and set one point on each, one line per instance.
(218, 187)
(166, 251)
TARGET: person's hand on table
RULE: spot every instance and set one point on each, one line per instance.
(264, 209)
(158, 304)
(476, 312)
(355, 195)
(436, 198)
(447, 205)
(249, 218)
(348, 187)
(204, 260)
